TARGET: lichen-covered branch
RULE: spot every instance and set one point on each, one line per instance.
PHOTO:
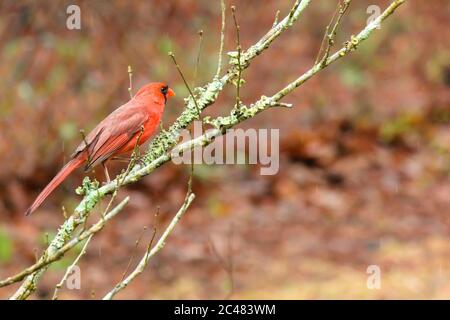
(35, 271)
(207, 95)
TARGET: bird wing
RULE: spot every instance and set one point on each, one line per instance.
(108, 149)
(112, 133)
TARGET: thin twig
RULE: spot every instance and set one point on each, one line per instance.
(130, 76)
(134, 155)
(70, 268)
(195, 77)
(239, 52)
(342, 8)
(149, 246)
(325, 34)
(150, 253)
(133, 253)
(222, 38)
(197, 61)
(275, 22)
(83, 136)
(195, 102)
(227, 264)
(197, 109)
(171, 54)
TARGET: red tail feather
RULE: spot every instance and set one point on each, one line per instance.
(56, 181)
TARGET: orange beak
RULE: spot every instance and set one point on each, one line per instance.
(170, 93)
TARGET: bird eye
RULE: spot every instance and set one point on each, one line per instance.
(164, 90)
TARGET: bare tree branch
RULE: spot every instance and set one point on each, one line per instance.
(150, 253)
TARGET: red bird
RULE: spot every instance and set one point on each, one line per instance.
(116, 134)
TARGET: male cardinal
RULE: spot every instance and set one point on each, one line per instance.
(130, 124)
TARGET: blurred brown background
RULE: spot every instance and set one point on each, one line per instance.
(364, 172)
